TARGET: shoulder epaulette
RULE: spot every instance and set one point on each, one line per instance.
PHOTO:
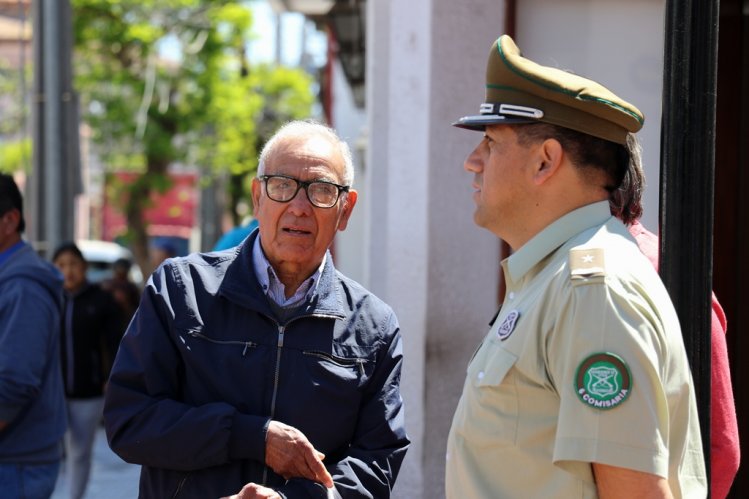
(586, 263)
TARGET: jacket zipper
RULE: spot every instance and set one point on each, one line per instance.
(247, 344)
(339, 362)
(180, 485)
(281, 332)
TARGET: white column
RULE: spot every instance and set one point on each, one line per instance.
(426, 61)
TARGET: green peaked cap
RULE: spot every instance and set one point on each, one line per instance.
(519, 90)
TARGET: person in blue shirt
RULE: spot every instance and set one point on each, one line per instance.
(234, 237)
(32, 405)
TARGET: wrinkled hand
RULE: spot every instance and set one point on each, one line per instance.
(255, 491)
(291, 455)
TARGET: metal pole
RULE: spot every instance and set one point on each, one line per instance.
(279, 38)
(35, 204)
(53, 181)
(70, 132)
(687, 183)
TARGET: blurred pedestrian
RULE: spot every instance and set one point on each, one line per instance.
(162, 249)
(235, 236)
(32, 406)
(92, 325)
(122, 288)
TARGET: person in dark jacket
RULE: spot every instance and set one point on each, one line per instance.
(260, 370)
(92, 324)
(122, 288)
(32, 405)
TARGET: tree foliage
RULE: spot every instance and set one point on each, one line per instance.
(165, 81)
(15, 148)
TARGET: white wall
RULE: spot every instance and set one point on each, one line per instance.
(350, 123)
(617, 43)
(426, 258)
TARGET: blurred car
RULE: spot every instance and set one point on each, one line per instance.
(101, 256)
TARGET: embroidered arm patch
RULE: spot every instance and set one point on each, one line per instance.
(603, 381)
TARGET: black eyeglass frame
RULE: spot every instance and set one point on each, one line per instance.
(302, 184)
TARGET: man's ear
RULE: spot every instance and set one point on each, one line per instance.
(550, 155)
(348, 207)
(256, 191)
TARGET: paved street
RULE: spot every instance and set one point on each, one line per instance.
(111, 477)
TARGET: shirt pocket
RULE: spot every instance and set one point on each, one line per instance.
(334, 383)
(350, 370)
(494, 394)
(210, 359)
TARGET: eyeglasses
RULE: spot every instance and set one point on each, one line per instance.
(319, 192)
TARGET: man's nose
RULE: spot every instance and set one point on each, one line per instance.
(473, 162)
(300, 203)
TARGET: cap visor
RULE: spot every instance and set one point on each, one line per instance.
(480, 121)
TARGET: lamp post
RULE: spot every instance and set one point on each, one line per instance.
(56, 175)
(687, 183)
(348, 21)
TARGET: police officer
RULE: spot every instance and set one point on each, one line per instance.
(581, 387)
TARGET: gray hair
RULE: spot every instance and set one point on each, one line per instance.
(304, 128)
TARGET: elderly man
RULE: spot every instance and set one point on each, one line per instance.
(581, 387)
(261, 368)
(32, 402)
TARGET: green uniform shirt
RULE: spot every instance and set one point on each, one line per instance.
(585, 363)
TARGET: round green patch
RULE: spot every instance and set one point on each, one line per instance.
(603, 381)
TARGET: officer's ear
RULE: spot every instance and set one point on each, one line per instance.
(549, 158)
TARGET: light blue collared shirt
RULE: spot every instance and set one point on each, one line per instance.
(273, 286)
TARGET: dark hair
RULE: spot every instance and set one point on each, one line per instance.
(10, 198)
(68, 247)
(586, 151)
(123, 264)
(626, 201)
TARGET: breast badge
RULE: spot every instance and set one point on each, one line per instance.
(508, 325)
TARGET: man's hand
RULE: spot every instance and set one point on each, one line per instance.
(291, 455)
(255, 491)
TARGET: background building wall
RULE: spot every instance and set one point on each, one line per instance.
(350, 123)
(425, 256)
(619, 44)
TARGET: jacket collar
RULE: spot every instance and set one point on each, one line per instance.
(240, 284)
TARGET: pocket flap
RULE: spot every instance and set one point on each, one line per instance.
(489, 368)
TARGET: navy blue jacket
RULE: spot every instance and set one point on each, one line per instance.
(31, 393)
(204, 367)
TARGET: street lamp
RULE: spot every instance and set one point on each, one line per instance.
(348, 20)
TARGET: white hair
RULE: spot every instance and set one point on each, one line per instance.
(304, 128)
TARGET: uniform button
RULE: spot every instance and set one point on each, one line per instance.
(480, 375)
(511, 296)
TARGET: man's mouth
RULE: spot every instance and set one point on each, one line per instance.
(296, 231)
